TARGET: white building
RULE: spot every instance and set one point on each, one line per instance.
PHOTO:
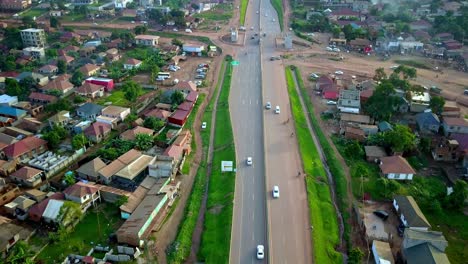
(37, 53)
(190, 47)
(33, 37)
(419, 102)
(122, 3)
(147, 40)
(382, 252)
(8, 100)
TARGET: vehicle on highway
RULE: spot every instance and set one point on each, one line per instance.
(274, 20)
(260, 252)
(331, 103)
(277, 109)
(266, 15)
(251, 28)
(257, 12)
(249, 161)
(203, 125)
(276, 193)
(339, 73)
(382, 214)
(268, 105)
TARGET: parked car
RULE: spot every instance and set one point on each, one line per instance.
(199, 76)
(203, 125)
(260, 252)
(328, 49)
(314, 76)
(198, 83)
(339, 73)
(201, 70)
(331, 103)
(175, 30)
(276, 193)
(268, 105)
(203, 65)
(382, 214)
(188, 30)
(336, 50)
(277, 109)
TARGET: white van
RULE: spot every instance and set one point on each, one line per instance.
(188, 30)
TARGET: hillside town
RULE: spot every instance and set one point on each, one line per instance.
(113, 123)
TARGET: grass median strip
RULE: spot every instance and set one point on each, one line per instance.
(323, 218)
(278, 5)
(243, 10)
(216, 235)
(334, 164)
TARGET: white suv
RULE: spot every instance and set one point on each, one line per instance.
(260, 252)
(249, 161)
(277, 109)
(276, 193)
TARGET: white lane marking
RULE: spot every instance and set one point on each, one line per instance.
(250, 101)
(243, 101)
(257, 101)
(253, 196)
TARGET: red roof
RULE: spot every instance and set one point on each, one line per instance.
(180, 114)
(97, 128)
(132, 61)
(187, 106)
(174, 151)
(192, 97)
(80, 189)
(345, 12)
(89, 88)
(455, 121)
(11, 74)
(366, 94)
(395, 164)
(330, 95)
(42, 97)
(23, 146)
(158, 113)
(37, 210)
(192, 87)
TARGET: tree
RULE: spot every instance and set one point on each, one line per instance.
(140, 30)
(143, 141)
(437, 104)
(69, 179)
(400, 139)
(20, 253)
(353, 150)
(407, 72)
(355, 256)
(123, 199)
(52, 138)
(69, 214)
(27, 83)
(380, 74)
(51, 53)
(177, 42)
(132, 90)
(54, 22)
(456, 200)
(177, 98)
(153, 123)
(12, 87)
(78, 99)
(62, 66)
(389, 187)
(383, 102)
(77, 78)
(79, 141)
(28, 21)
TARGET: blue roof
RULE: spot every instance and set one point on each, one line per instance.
(11, 111)
(427, 118)
(385, 126)
(90, 108)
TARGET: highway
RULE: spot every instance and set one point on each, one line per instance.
(249, 219)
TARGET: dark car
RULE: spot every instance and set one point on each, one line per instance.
(381, 214)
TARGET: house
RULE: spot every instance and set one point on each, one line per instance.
(158, 113)
(19, 207)
(107, 83)
(419, 101)
(14, 5)
(354, 120)
(396, 168)
(349, 101)
(37, 211)
(7, 167)
(60, 84)
(113, 55)
(42, 98)
(40, 79)
(365, 95)
(444, 36)
(89, 69)
(428, 122)
(323, 82)
(90, 170)
(52, 211)
(454, 125)
(27, 176)
(111, 121)
(132, 64)
(35, 195)
(369, 129)
(61, 119)
(87, 51)
(162, 167)
(89, 111)
(90, 90)
(132, 133)
(452, 45)
(345, 14)
(67, 59)
(55, 13)
(382, 252)
(9, 235)
(84, 194)
(68, 36)
(7, 100)
(97, 131)
(374, 153)
(354, 133)
(185, 87)
(120, 113)
(384, 126)
(180, 148)
(7, 111)
(48, 69)
(445, 150)
(420, 25)
(330, 93)
(34, 52)
(410, 214)
(130, 165)
(193, 48)
(8, 192)
(147, 40)
(424, 247)
(179, 117)
(360, 44)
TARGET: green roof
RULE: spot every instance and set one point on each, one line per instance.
(411, 211)
(425, 253)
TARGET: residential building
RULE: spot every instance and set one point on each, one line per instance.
(186, 87)
(37, 211)
(40, 79)
(179, 148)
(14, 5)
(8, 192)
(111, 121)
(84, 2)
(193, 48)
(349, 101)
(27, 176)
(90, 170)
(34, 52)
(128, 167)
(61, 119)
(25, 149)
(420, 25)
(147, 40)
(120, 113)
(52, 211)
(396, 168)
(382, 252)
(121, 4)
(369, 129)
(410, 214)
(67, 59)
(35, 195)
(192, 97)
(107, 83)
(158, 113)
(428, 122)
(19, 207)
(346, 14)
(60, 84)
(89, 69)
(84, 194)
(419, 101)
(8, 111)
(33, 37)
(81, 126)
(131, 64)
(454, 125)
(445, 150)
(9, 235)
(132, 133)
(6, 100)
(42, 98)
(424, 247)
(90, 90)
(97, 131)
(89, 111)
(48, 70)
(323, 82)
(374, 153)
(7, 167)
(179, 117)
(162, 167)
(70, 36)
(354, 133)
(55, 13)
(354, 120)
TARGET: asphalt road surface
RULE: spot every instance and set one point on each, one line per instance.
(289, 225)
(249, 220)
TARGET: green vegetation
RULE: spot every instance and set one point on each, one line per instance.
(221, 12)
(179, 249)
(243, 10)
(118, 97)
(95, 227)
(33, 12)
(322, 213)
(278, 5)
(413, 63)
(334, 164)
(216, 235)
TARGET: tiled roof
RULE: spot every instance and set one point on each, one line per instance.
(132, 61)
(186, 106)
(89, 88)
(455, 121)
(113, 110)
(97, 128)
(26, 173)
(186, 86)
(131, 134)
(80, 189)
(48, 68)
(395, 164)
(158, 113)
(61, 83)
(120, 163)
(92, 167)
(42, 97)
(87, 68)
(174, 151)
(66, 58)
(147, 37)
(192, 96)
(23, 146)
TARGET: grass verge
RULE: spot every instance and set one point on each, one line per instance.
(216, 235)
(334, 164)
(412, 63)
(322, 213)
(221, 12)
(179, 250)
(243, 10)
(278, 5)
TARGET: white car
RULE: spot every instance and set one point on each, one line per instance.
(251, 28)
(314, 76)
(328, 49)
(277, 109)
(276, 193)
(274, 20)
(331, 103)
(133, 22)
(257, 12)
(268, 105)
(198, 83)
(393, 67)
(260, 252)
(336, 50)
(175, 30)
(339, 73)
(266, 15)
(249, 161)
(203, 125)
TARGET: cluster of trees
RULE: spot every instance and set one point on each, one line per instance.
(132, 90)
(457, 25)
(60, 105)
(21, 89)
(316, 23)
(54, 136)
(117, 147)
(161, 18)
(153, 123)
